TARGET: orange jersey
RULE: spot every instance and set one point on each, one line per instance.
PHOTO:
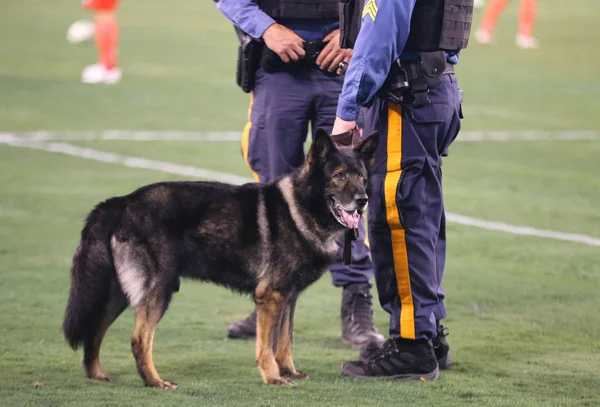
(101, 5)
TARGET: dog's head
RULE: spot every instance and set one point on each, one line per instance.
(345, 175)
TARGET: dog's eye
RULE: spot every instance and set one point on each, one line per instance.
(340, 176)
(361, 175)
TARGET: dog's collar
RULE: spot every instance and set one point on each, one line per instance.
(349, 236)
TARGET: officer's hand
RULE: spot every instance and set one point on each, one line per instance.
(284, 42)
(342, 126)
(329, 59)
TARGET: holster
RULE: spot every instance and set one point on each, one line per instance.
(271, 63)
(248, 62)
(410, 81)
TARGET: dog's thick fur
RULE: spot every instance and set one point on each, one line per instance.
(271, 241)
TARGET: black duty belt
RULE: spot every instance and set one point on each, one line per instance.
(399, 79)
(271, 62)
(410, 81)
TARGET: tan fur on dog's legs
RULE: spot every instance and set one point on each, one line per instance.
(147, 317)
(283, 355)
(269, 307)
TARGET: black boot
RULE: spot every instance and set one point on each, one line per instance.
(244, 329)
(441, 348)
(399, 359)
(358, 328)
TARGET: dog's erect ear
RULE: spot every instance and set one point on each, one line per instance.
(321, 147)
(368, 147)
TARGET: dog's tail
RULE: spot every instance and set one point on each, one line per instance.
(92, 273)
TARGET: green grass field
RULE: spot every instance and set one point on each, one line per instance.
(523, 311)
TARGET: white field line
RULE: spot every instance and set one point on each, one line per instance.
(528, 135)
(174, 135)
(136, 162)
(134, 135)
(133, 162)
(522, 230)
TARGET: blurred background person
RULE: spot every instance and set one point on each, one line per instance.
(106, 33)
(527, 14)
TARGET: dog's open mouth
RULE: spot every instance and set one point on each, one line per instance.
(348, 219)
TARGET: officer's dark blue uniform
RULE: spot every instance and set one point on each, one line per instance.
(406, 209)
(282, 105)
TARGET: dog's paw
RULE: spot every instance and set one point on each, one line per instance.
(286, 381)
(295, 374)
(299, 375)
(163, 384)
(101, 376)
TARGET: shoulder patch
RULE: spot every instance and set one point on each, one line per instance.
(370, 10)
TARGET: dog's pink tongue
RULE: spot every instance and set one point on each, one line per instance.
(351, 219)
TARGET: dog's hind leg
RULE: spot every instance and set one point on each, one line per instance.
(283, 356)
(269, 306)
(148, 314)
(91, 346)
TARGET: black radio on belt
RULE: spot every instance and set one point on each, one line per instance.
(271, 62)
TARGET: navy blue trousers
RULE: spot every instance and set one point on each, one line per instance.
(407, 226)
(282, 106)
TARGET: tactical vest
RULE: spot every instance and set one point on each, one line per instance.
(440, 25)
(301, 9)
(435, 24)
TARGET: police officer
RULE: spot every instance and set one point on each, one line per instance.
(297, 84)
(403, 67)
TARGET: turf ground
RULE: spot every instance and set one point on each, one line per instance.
(523, 311)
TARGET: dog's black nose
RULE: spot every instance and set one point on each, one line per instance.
(362, 200)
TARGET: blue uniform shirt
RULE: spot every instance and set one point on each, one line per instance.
(384, 31)
(246, 15)
(251, 19)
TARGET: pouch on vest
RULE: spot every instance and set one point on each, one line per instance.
(350, 19)
(439, 25)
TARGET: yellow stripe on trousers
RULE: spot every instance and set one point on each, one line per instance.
(246, 138)
(366, 222)
(392, 177)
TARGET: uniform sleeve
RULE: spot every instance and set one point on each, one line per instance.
(383, 33)
(246, 15)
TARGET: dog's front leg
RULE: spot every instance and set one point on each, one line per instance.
(269, 306)
(283, 355)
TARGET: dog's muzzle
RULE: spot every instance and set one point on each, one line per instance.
(347, 218)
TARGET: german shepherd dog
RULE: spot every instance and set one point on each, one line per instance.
(268, 240)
